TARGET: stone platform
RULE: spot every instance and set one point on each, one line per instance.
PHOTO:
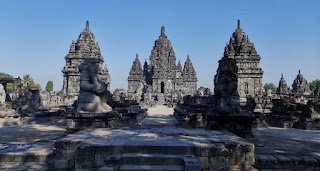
(79, 121)
(286, 149)
(188, 149)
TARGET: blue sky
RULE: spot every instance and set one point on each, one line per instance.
(36, 35)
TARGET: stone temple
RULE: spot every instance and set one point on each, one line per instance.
(162, 80)
(283, 88)
(300, 85)
(84, 47)
(247, 59)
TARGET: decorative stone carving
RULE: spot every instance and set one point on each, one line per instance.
(300, 85)
(162, 80)
(84, 47)
(283, 88)
(93, 91)
(247, 59)
(226, 88)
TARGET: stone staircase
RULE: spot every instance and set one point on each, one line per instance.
(151, 162)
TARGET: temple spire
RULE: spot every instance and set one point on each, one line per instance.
(299, 71)
(136, 56)
(238, 25)
(188, 58)
(87, 25)
(163, 31)
(281, 75)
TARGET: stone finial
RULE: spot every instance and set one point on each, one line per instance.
(188, 57)
(163, 31)
(281, 75)
(137, 56)
(87, 25)
(299, 71)
(238, 24)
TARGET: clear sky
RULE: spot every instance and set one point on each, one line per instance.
(36, 35)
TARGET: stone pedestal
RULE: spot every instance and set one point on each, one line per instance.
(240, 125)
(79, 121)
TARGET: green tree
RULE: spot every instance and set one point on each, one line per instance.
(31, 83)
(314, 84)
(49, 86)
(26, 79)
(10, 87)
(38, 86)
(270, 86)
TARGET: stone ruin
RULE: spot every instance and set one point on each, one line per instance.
(300, 85)
(5, 99)
(283, 88)
(203, 91)
(92, 108)
(247, 59)
(162, 80)
(84, 47)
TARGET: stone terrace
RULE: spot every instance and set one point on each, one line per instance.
(90, 149)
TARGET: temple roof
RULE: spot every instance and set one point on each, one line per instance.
(162, 53)
(136, 66)
(188, 69)
(240, 45)
(85, 46)
(300, 84)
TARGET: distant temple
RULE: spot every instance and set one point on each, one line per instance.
(84, 47)
(247, 60)
(283, 88)
(300, 85)
(161, 80)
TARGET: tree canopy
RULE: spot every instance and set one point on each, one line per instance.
(270, 86)
(49, 86)
(314, 84)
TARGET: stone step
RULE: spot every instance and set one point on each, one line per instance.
(151, 159)
(151, 167)
(161, 147)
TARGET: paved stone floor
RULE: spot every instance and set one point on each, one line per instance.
(284, 141)
(159, 116)
(286, 149)
(27, 143)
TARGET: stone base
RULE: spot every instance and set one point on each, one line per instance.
(240, 125)
(80, 121)
(186, 118)
(153, 148)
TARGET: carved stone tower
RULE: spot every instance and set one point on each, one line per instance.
(300, 85)
(247, 59)
(163, 80)
(283, 88)
(84, 47)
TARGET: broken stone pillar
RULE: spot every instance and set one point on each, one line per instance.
(2, 94)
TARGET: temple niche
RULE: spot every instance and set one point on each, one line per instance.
(162, 80)
(300, 85)
(84, 47)
(283, 88)
(247, 60)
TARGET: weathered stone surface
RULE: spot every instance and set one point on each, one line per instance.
(153, 145)
(300, 85)
(283, 88)
(93, 91)
(84, 47)
(2, 94)
(162, 80)
(247, 60)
